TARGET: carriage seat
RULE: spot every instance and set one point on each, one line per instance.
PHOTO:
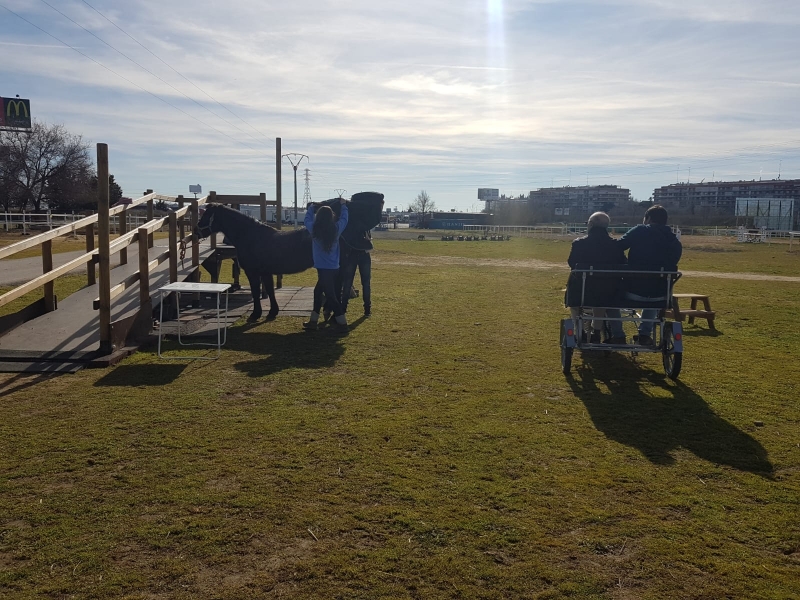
(607, 286)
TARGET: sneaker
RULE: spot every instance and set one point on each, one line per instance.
(338, 328)
(615, 340)
(643, 340)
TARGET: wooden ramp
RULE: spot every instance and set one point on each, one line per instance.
(70, 335)
(67, 339)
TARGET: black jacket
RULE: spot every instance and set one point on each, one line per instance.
(366, 211)
(598, 249)
(650, 248)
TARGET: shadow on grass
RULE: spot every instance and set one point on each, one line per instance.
(142, 375)
(22, 381)
(698, 332)
(279, 351)
(630, 414)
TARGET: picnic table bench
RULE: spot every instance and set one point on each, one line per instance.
(704, 313)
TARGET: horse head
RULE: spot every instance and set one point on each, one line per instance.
(206, 226)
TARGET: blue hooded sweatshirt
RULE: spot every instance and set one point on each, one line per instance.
(323, 259)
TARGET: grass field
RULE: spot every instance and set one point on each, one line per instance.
(435, 452)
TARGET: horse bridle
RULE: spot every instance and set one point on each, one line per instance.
(202, 230)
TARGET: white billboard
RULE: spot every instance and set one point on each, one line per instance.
(490, 194)
(772, 213)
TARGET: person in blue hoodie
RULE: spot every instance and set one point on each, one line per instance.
(651, 247)
(325, 231)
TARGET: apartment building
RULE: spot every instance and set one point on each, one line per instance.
(579, 201)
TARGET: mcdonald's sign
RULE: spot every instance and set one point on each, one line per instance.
(16, 113)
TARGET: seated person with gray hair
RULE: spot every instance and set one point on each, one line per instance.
(599, 250)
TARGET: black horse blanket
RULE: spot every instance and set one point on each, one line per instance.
(365, 212)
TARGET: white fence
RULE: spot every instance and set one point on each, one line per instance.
(47, 221)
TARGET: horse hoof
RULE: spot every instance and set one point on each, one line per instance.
(271, 317)
(253, 318)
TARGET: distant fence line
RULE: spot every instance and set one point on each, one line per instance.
(547, 231)
(47, 221)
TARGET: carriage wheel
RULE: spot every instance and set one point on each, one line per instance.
(566, 353)
(672, 360)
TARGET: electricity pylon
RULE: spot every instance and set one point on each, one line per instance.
(307, 193)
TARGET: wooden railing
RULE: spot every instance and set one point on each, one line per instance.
(45, 240)
(143, 236)
(100, 256)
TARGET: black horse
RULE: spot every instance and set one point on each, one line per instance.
(263, 251)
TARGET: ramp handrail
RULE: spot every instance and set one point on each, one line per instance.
(12, 249)
(118, 244)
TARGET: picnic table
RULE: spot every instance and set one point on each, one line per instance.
(693, 312)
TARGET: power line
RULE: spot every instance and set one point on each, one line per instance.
(176, 71)
(156, 96)
(143, 67)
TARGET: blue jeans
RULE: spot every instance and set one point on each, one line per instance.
(616, 328)
(326, 285)
(363, 261)
(646, 328)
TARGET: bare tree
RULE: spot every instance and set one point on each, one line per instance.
(423, 206)
(37, 159)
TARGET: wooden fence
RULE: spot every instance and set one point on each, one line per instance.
(98, 261)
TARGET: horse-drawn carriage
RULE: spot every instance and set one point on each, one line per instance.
(614, 284)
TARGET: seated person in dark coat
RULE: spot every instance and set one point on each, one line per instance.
(651, 247)
(599, 250)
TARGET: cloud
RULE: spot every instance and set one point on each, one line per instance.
(440, 95)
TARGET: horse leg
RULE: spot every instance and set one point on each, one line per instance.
(255, 290)
(273, 302)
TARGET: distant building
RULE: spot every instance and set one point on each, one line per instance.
(456, 220)
(721, 196)
(576, 203)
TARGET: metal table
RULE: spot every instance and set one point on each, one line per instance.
(202, 288)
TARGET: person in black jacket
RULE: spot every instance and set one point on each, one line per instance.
(651, 247)
(599, 250)
(355, 254)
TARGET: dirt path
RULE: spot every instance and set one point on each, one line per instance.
(533, 263)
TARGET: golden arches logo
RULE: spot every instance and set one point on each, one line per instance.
(17, 104)
(16, 113)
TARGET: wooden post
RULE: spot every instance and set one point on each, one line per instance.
(47, 266)
(212, 198)
(173, 248)
(123, 229)
(263, 201)
(91, 271)
(150, 216)
(278, 205)
(181, 220)
(195, 239)
(144, 272)
(103, 243)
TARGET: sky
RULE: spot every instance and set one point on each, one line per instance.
(399, 97)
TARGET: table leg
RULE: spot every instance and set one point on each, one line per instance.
(676, 310)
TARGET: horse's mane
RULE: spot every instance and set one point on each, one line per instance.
(239, 219)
